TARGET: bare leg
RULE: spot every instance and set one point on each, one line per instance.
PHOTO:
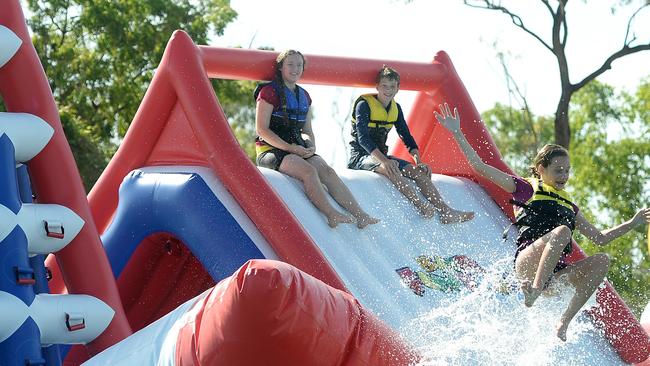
(297, 167)
(448, 215)
(340, 192)
(536, 263)
(427, 210)
(585, 276)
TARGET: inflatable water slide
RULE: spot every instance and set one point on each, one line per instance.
(185, 253)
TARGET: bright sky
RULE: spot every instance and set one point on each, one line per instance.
(394, 30)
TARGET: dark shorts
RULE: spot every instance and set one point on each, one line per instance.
(561, 264)
(368, 162)
(272, 159)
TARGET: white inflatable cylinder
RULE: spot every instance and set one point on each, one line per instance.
(63, 223)
(29, 133)
(9, 44)
(89, 317)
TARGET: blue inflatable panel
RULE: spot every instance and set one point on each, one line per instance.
(181, 204)
(9, 196)
(22, 348)
(51, 354)
(16, 274)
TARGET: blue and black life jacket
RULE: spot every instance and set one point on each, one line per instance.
(381, 121)
(287, 120)
(547, 209)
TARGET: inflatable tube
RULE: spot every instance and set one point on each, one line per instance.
(270, 313)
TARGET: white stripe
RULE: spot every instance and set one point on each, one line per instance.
(9, 44)
(29, 133)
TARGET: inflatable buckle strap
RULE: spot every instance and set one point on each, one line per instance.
(24, 276)
(54, 229)
(74, 321)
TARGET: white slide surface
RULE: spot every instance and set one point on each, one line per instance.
(462, 325)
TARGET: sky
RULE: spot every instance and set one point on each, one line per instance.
(396, 30)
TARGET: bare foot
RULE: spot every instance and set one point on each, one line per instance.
(451, 216)
(530, 293)
(561, 330)
(339, 218)
(427, 210)
(364, 220)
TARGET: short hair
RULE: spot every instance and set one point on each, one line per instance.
(387, 73)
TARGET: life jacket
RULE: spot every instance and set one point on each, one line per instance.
(380, 124)
(547, 209)
(287, 120)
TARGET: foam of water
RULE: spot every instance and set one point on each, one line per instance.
(489, 327)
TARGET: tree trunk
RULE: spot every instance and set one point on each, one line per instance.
(562, 129)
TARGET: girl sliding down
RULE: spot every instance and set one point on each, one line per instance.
(546, 218)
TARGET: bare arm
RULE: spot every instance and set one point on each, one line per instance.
(262, 121)
(452, 124)
(606, 236)
(391, 166)
(308, 134)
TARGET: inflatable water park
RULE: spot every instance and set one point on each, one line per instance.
(186, 253)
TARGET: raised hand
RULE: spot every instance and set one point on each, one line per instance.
(450, 121)
(641, 216)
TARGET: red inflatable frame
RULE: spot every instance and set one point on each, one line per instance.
(180, 122)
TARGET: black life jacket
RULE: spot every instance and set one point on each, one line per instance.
(289, 119)
(545, 210)
(380, 124)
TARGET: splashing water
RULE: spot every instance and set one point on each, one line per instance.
(491, 326)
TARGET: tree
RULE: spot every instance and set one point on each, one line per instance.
(611, 156)
(557, 46)
(611, 167)
(521, 133)
(236, 98)
(100, 57)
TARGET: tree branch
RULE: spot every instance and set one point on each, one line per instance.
(513, 88)
(516, 19)
(608, 63)
(629, 25)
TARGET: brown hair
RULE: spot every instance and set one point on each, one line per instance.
(280, 60)
(278, 77)
(545, 156)
(387, 73)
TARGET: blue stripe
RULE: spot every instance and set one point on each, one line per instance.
(183, 205)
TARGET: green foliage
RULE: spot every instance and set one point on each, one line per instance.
(520, 134)
(100, 57)
(610, 156)
(236, 98)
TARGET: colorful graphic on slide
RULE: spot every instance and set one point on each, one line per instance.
(443, 274)
(449, 274)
